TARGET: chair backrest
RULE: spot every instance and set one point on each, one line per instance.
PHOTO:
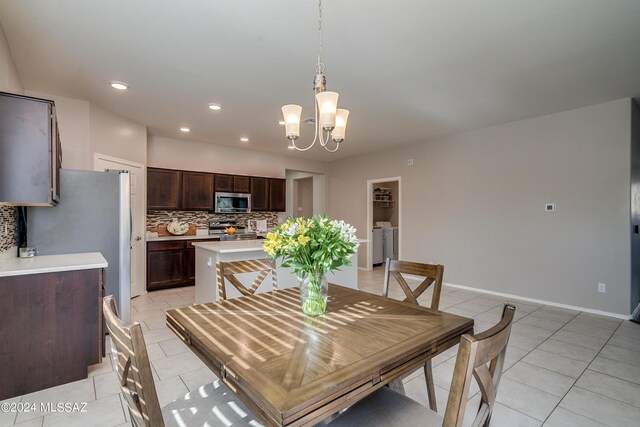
(481, 357)
(131, 363)
(431, 272)
(228, 270)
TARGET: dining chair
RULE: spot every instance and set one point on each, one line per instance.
(226, 271)
(433, 276)
(480, 356)
(213, 404)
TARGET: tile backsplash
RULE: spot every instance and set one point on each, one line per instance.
(8, 216)
(201, 219)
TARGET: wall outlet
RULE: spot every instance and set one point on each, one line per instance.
(410, 162)
(602, 287)
(550, 207)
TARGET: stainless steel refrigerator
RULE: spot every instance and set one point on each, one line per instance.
(93, 215)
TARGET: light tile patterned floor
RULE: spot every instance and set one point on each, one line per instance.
(564, 368)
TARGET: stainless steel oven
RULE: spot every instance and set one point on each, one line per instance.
(233, 202)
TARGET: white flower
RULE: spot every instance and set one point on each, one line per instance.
(292, 229)
(347, 232)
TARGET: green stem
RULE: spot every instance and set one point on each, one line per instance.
(315, 304)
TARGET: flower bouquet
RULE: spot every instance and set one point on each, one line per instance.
(312, 247)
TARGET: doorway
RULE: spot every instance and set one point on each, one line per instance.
(635, 210)
(384, 220)
(303, 197)
(305, 193)
(138, 217)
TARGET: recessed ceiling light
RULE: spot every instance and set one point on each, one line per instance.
(291, 147)
(281, 122)
(244, 139)
(119, 85)
(215, 107)
(185, 130)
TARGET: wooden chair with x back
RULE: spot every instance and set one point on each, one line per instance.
(131, 364)
(433, 276)
(480, 357)
(226, 271)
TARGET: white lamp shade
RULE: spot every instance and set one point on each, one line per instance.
(341, 125)
(327, 104)
(291, 114)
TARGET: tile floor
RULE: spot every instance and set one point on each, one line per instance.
(564, 368)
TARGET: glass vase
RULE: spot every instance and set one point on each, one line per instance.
(313, 294)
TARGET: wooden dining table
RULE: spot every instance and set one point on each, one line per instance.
(291, 369)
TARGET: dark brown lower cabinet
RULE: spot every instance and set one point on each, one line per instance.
(190, 257)
(50, 329)
(165, 264)
(171, 264)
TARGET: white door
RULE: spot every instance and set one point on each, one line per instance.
(138, 217)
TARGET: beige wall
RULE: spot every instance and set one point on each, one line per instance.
(303, 197)
(86, 129)
(318, 189)
(475, 203)
(116, 136)
(74, 128)
(179, 154)
(9, 82)
(9, 78)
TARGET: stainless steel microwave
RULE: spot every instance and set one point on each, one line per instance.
(233, 202)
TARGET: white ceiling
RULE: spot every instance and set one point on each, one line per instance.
(408, 70)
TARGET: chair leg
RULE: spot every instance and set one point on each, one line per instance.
(397, 385)
(431, 391)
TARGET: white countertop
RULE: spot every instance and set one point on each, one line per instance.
(231, 246)
(205, 236)
(14, 266)
(165, 238)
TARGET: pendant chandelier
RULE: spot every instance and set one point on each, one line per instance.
(330, 121)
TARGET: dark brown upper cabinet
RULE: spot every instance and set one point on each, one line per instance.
(163, 189)
(259, 194)
(232, 183)
(277, 194)
(169, 189)
(197, 191)
(223, 183)
(30, 152)
(241, 184)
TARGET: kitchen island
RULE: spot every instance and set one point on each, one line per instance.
(208, 253)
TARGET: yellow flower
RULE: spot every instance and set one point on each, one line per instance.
(303, 240)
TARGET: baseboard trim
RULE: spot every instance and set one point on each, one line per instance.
(533, 300)
(540, 301)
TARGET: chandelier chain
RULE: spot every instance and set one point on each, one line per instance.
(320, 66)
(328, 126)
